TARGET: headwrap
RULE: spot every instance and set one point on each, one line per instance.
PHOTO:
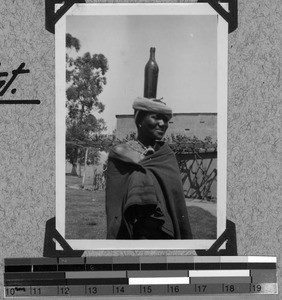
(152, 105)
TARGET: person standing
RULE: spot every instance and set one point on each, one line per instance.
(144, 193)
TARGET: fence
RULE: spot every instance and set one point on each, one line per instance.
(199, 174)
(198, 168)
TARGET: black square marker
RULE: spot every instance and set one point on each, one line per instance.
(181, 266)
(152, 266)
(24, 268)
(207, 266)
(125, 267)
(71, 267)
(233, 266)
(45, 268)
(99, 267)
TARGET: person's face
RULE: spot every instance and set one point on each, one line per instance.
(153, 126)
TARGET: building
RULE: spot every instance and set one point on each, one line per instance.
(200, 125)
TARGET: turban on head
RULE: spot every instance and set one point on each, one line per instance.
(152, 105)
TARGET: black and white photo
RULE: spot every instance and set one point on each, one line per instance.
(135, 170)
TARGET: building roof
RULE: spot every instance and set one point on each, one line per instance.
(174, 115)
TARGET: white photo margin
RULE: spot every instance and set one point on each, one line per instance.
(222, 73)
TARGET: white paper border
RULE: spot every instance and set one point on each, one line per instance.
(222, 68)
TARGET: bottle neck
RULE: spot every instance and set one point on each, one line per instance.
(152, 53)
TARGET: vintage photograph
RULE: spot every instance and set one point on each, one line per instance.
(141, 122)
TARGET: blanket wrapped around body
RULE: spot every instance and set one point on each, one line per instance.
(148, 189)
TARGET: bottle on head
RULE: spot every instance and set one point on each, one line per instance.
(151, 76)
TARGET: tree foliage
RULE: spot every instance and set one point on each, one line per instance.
(181, 142)
(72, 42)
(85, 76)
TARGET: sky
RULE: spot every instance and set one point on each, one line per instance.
(186, 53)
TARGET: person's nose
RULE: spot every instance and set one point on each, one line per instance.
(161, 123)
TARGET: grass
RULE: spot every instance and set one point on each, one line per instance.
(86, 218)
(203, 223)
(85, 212)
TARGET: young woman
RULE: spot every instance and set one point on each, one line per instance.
(144, 194)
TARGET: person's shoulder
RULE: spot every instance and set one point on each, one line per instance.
(125, 152)
(120, 148)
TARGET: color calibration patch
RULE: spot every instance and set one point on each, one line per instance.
(152, 275)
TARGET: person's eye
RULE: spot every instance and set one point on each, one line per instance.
(163, 118)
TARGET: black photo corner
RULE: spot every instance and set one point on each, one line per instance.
(52, 17)
(229, 235)
(204, 254)
(149, 266)
(51, 234)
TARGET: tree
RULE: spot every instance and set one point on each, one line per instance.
(72, 42)
(86, 78)
(82, 131)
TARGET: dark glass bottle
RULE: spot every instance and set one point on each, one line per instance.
(151, 76)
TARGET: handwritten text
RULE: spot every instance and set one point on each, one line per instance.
(6, 84)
